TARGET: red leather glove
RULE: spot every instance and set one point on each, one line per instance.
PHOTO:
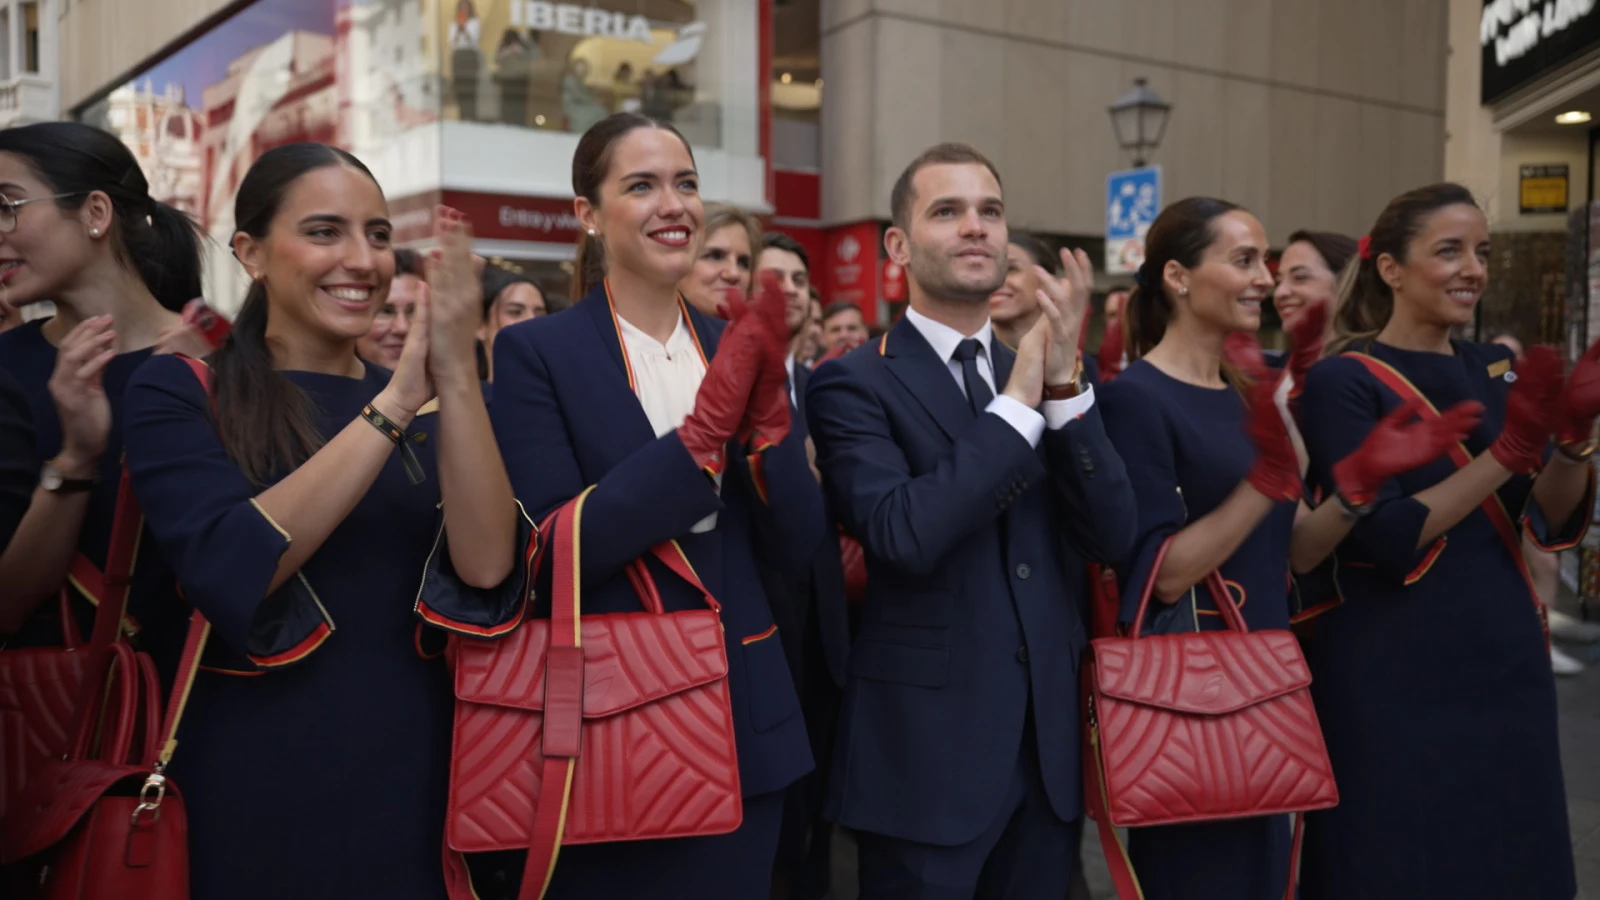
(855, 568)
(1397, 444)
(1243, 351)
(1533, 410)
(1111, 350)
(766, 420)
(719, 407)
(207, 321)
(1276, 473)
(1306, 335)
(1580, 401)
(837, 351)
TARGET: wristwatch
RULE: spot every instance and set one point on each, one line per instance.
(1580, 451)
(52, 480)
(1072, 388)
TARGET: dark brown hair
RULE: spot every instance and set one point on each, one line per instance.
(902, 196)
(1365, 301)
(267, 424)
(777, 240)
(159, 242)
(591, 162)
(1180, 234)
(839, 307)
(408, 262)
(1037, 251)
(1335, 249)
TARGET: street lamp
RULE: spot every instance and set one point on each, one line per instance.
(1139, 118)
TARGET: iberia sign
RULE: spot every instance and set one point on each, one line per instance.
(584, 21)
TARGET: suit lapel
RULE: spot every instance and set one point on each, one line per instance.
(612, 380)
(926, 377)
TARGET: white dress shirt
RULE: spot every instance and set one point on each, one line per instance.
(788, 366)
(1028, 423)
(666, 378)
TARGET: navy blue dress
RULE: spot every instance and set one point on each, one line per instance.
(30, 358)
(17, 478)
(1186, 450)
(1431, 676)
(314, 750)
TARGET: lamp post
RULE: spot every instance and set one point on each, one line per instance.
(1139, 119)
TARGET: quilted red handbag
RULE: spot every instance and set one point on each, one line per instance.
(105, 822)
(1201, 726)
(577, 730)
(40, 686)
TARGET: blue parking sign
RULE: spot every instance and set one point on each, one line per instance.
(1133, 198)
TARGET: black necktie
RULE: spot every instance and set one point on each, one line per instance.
(978, 391)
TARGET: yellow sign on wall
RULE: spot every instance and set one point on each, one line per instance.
(1543, 188)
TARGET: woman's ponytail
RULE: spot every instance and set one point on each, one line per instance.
(163, 245)
(267, 424)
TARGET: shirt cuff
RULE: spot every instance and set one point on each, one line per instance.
(1057, 413)
(1027, 422)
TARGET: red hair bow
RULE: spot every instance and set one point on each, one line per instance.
(1364, 246)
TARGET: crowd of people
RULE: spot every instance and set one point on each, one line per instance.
(911, 535)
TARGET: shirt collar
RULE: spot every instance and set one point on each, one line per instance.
(680, 341)
(944, 339)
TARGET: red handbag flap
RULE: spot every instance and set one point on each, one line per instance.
(1206, 673)
(53, 800)
(630, 659)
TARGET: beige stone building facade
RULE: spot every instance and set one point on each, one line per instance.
(1310, 112)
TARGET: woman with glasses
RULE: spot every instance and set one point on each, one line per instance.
(78, 227)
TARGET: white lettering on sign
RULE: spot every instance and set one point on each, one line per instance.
(1515, 27)
(513, 217)
(566, 18)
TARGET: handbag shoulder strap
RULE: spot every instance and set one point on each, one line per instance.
(1213, 582)
(1392, 379)
(1492, 507)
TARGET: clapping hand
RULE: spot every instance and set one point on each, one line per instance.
(455, 300)
(1533, 408)
(1397, 445)
(79, 393)
(1065, 303)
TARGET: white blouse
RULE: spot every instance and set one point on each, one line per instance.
(666, 378)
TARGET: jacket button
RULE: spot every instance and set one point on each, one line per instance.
(1022, 654)
(1023, 571)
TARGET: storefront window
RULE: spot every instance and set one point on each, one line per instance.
(563, 67)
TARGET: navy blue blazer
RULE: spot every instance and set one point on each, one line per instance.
(566, 417)
(974, 545)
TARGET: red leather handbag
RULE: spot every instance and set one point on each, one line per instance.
(104, 822)
(1200, 726)
(578, 730)
(40, 687)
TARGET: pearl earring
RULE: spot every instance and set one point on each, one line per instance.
(1183, 292)
(94, 232)
(591, 232)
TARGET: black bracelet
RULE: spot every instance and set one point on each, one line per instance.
(396, 434)
(1352, 511)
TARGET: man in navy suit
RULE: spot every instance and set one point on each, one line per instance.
(816, 635)
(977, 480)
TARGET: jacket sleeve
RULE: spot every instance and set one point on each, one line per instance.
(654, 495)
(912, 522)
(786, 516)
(1340, 406)
(1092, 487)
(202, 513)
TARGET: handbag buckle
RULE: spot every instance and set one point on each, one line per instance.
(150, 797)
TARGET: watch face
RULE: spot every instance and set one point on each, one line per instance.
(50, 478)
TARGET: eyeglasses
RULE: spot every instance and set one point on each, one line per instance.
(9, 207)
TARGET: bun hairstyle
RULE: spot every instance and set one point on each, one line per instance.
(159, 242)
(591, 162)
(1365, 300)
(267, 424)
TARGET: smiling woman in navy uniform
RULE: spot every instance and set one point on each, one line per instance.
(627, 391)
(1431, 673)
